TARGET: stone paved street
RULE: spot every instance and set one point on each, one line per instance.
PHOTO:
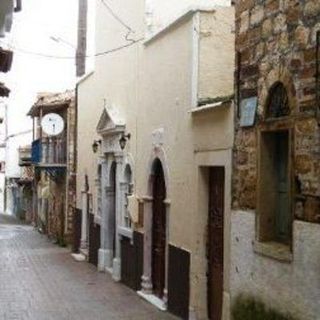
(39, 280)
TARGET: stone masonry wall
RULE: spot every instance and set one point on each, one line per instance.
(276, 40)
(71, 169)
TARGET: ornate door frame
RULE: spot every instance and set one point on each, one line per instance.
(146, 284)
(111, 128)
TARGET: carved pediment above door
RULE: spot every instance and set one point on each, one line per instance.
(110, 121)
(110, 126)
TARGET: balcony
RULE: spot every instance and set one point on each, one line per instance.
(25, 158)
(49, 152)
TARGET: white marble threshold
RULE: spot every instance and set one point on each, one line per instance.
(78, 257)
(156, 301)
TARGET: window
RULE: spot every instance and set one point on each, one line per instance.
(274, 181)
(277, 103)
(274, 187)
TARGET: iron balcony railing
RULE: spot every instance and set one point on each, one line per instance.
(49, 151)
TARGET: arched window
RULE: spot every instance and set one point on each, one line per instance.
(274, 187)
(277, 103)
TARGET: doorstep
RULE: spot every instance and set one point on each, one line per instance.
(78, 257)
(85, 252)
(110, 270)
(156, 301)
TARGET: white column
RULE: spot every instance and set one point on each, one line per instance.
(146, 283)
(124, 191)
(109, 230)
(102, 253)
(84, 220)
(118, 211)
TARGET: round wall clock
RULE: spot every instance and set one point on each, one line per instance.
(52, 124)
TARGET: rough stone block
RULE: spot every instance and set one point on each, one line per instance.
(257, 15)
(280, 23)
(293, 14)
(301, 36)
(244, 21)
(309, 55)
(272, 6)
(312, 210)
(267, 29)
(312, 9)
(303, 164)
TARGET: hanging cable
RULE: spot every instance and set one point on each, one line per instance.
(99, 54)
(116, 16)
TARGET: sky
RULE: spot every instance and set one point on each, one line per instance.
(47, 27)
(34, 30)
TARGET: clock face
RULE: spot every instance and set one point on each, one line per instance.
(52, 124)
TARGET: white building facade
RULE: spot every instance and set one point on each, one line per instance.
(159, 114)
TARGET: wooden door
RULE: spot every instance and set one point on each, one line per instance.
(158, 231)
(215, 242)
(282, 218)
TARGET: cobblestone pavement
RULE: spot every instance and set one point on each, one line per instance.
(41, 281)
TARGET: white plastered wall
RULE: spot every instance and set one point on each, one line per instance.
(288, 287)
(216, 53)
(199, 263)
(115, 80)
(159, 13)
(189, 141)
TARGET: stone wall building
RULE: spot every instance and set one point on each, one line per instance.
(53, 158)
(276, 172)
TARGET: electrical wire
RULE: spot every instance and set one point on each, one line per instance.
(99, 54)
(116, 16)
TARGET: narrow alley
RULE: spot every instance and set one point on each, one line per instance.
(39, 280)
(160, 159)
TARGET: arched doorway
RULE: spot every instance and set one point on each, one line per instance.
(158, 230)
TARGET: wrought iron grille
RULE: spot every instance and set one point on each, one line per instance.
(277, 104)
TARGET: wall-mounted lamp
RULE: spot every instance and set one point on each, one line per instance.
(123, 140)
(18, 6)
(95, 145)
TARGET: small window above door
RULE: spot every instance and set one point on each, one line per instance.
(277, 104)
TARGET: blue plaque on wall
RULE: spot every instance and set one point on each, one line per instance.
(248, 109)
